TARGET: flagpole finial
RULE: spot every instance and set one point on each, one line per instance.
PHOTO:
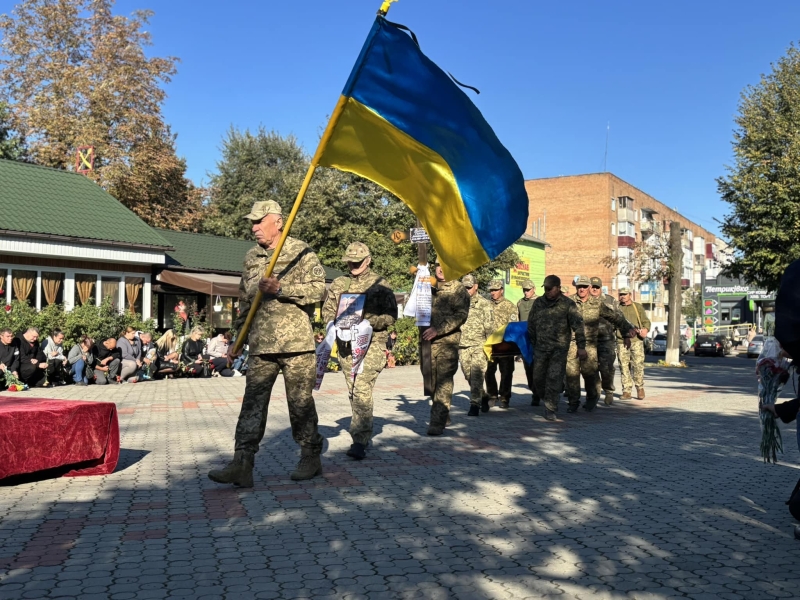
(385, 7)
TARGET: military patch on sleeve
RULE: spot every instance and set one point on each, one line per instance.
(318, 271)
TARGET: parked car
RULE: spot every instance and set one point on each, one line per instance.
(660, 344)
(713, 345)
(755, 346)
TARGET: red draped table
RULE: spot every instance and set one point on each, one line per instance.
(38, 434)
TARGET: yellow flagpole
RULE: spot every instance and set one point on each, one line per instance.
(287, 224)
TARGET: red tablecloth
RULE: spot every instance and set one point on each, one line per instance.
(38, 434)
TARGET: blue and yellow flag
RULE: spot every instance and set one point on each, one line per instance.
(516, 333)
(409, 128)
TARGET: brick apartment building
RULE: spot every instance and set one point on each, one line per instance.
(587, 218)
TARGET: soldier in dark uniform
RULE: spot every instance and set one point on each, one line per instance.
(552, 322)
(280, 341)
(449, 312)
(606, 344)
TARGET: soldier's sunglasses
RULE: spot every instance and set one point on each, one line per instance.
(595, 287)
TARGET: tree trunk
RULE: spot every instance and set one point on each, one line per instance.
(673, 356)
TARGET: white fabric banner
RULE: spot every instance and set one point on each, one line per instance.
(361, 336)
(419, 302)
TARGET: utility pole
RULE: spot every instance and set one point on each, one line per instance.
(673, 354)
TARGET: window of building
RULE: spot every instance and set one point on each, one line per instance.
(614, 253)
(725, 314)
(109, 288)
(85, 289)
(613, 283)
(613, 229)
(736, 314)
(613, 204)
(52, 288)
(133, 294)
(23, 286)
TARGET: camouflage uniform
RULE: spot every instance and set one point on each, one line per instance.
(448, 314)
(551, 326)
(524, 307)
(594, 311)
(607, 348)
(504, 313)
(474, 333)
(281, 340)
(631, 360)
(380, 309)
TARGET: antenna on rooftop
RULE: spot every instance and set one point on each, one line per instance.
(605, 156)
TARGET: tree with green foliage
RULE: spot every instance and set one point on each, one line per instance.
(74, 74)
(12, 146)
(339, 208)
(763, 185)
(692, 307)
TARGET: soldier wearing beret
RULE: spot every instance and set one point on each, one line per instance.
(449, 312)
(552, 323)
(280, 341)
(504, 313)
(380, 309)
(474, 333)
(524, 307)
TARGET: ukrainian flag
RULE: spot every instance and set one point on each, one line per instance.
(515, 333)
(408, 127)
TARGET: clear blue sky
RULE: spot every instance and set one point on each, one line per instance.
(552, 75)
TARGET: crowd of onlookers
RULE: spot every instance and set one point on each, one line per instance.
(131, 358)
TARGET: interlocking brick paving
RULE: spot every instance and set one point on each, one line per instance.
(660, 498)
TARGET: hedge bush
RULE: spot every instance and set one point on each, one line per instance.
(98, 322)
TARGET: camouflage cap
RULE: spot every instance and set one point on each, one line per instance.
(469, 281)
(564, 290)
(356, 252)
(551, 281)
(597, 281)
(527, 284)
(262, 208)
(582, 280)
(495, 284)
(625, 290)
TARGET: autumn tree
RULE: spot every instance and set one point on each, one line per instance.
(339, 208)
(74, 74)
(762, 186)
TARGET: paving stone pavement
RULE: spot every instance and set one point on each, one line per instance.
(660, 498)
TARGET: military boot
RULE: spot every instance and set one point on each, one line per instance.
(435, 429)
(608, 400)
(309, 466)
(474, 411)
(626, 395)
(238, 472)
(550, 415)
(485, 404)
(640, 393)
(535, 401)
(357, 451)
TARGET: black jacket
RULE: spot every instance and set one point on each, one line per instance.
(9, 355)
(101, 353)
(28, 352)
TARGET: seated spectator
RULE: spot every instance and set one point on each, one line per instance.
(192, 353)
(131, 352)
(81, 359)
(168, 357)
(218, 351)
(240, 362)
(32, 362)
(149, 355)
(107, 362)
(9, 356)
(57, 367)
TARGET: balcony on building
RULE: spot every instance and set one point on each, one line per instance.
(626, 241)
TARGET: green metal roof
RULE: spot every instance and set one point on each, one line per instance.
(40, 200)
(203, 252)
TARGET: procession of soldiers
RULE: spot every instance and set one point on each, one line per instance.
(576, 340)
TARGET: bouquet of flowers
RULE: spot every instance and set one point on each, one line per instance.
(13, 384)
(772, 369)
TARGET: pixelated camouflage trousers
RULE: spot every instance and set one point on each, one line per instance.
(299, 374)
(586, 368)
(606, 355)
(473, 366)
(549, 368)
(631, 364)
(444, 364)
(360, 391)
